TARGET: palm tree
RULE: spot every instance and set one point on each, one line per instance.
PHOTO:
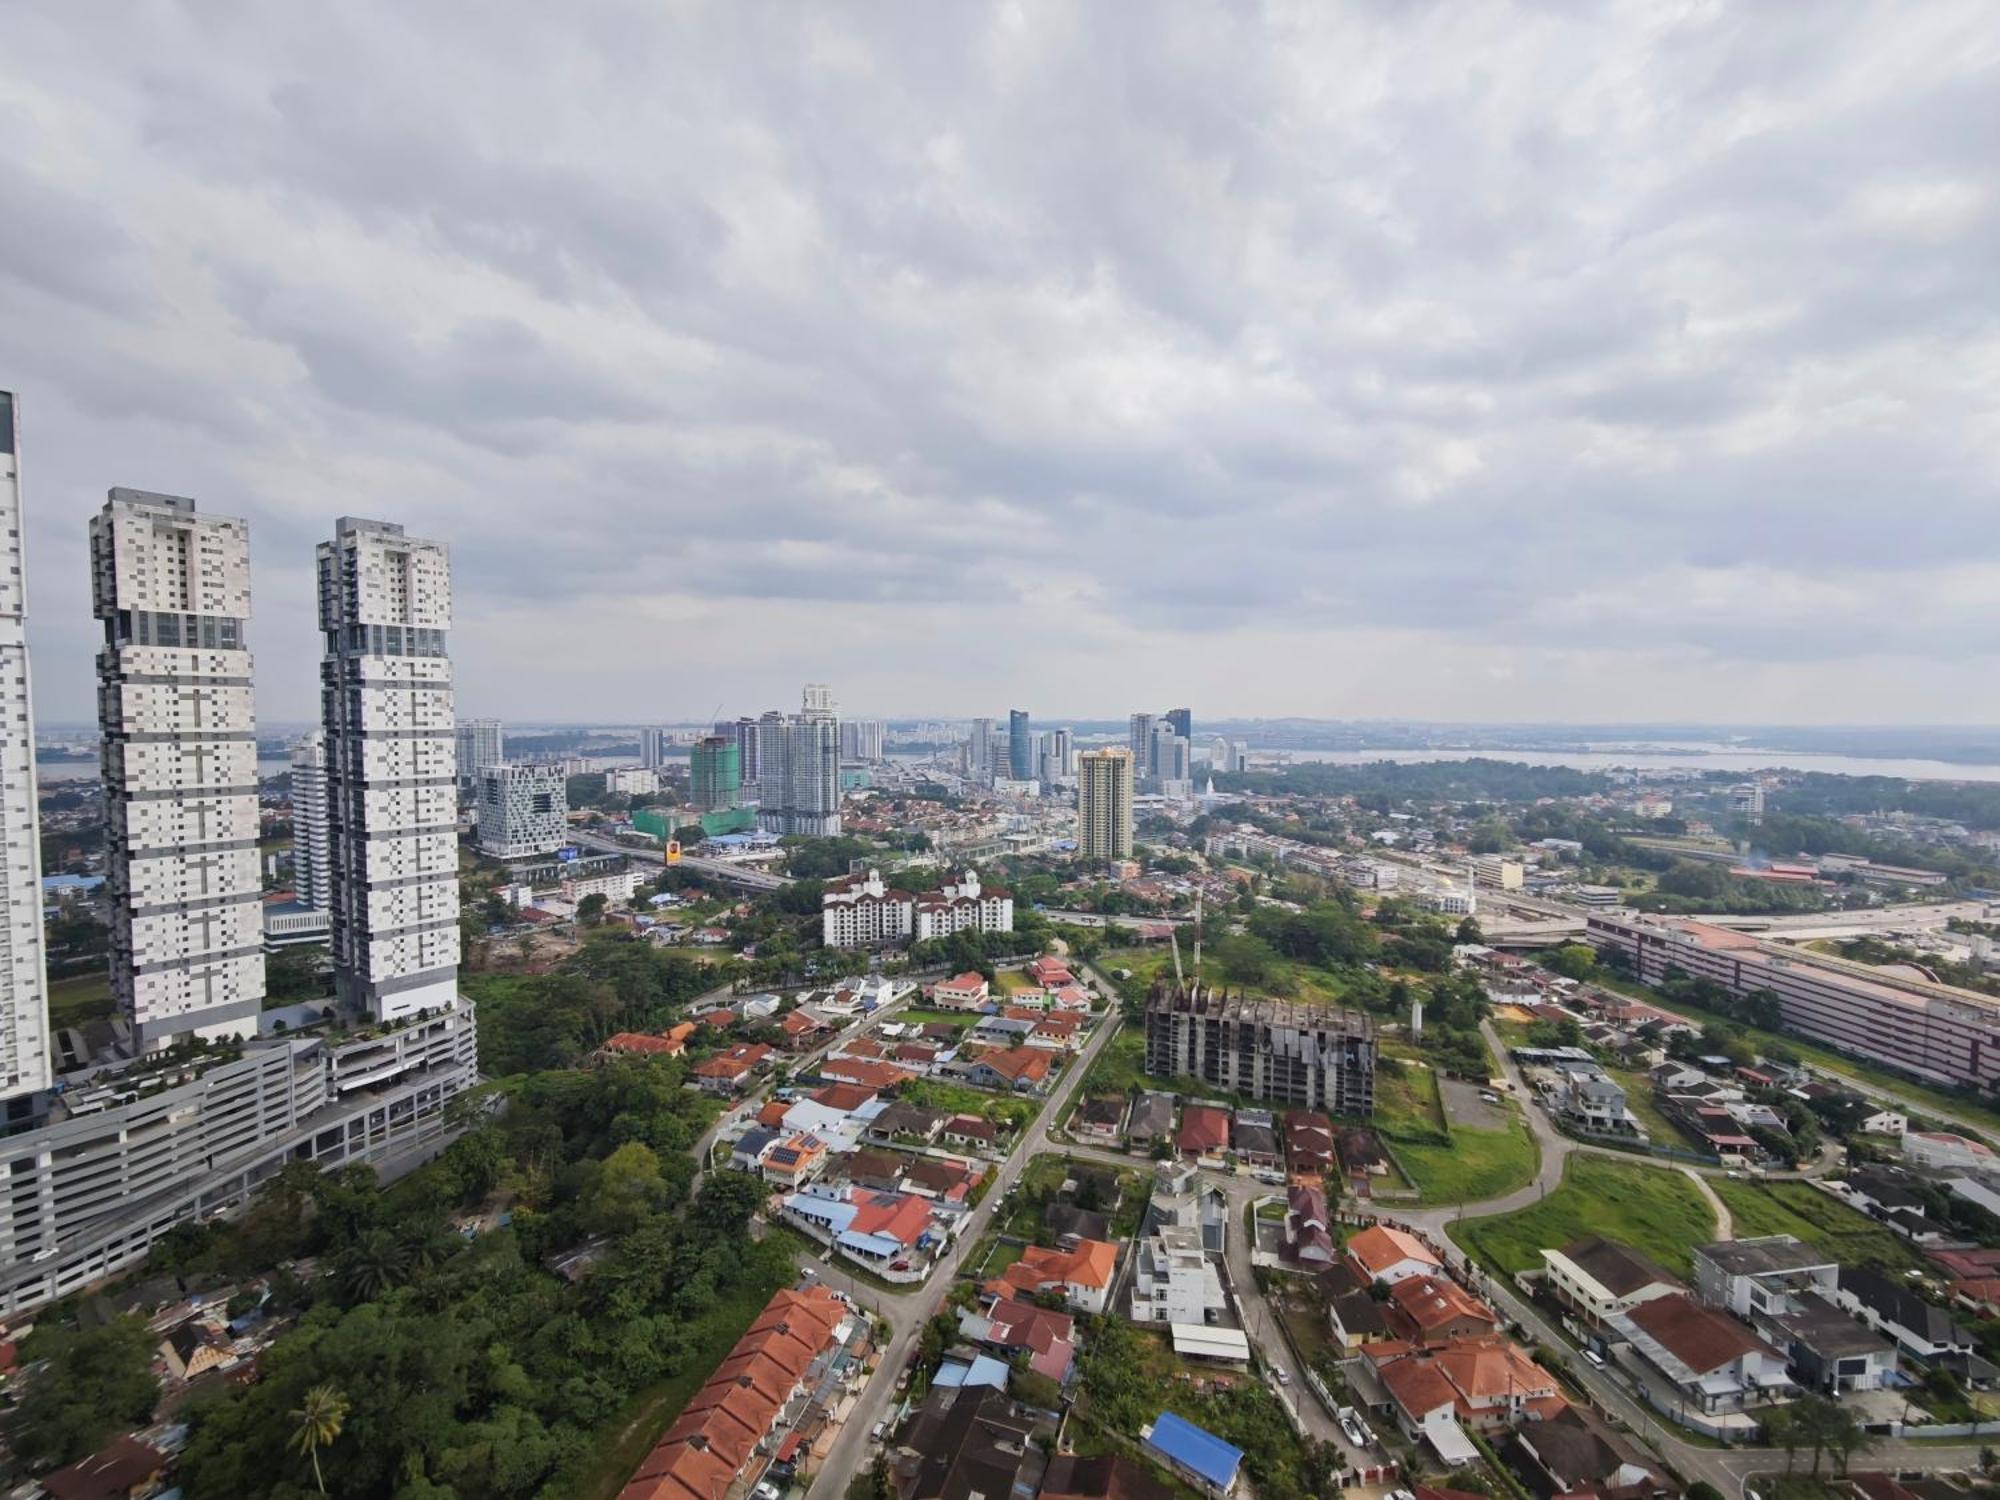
(375, 1263)
(320, 1417)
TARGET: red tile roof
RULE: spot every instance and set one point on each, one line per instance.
(1378, 1247)
(1204, 1129)
(878, 1076)
(1089, 1265)
(1031, 1063)
(641, 1044)
(1699, 1337)
(715, 1432)
(843, 1096)
(1434, 1303)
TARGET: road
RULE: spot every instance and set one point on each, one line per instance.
(728, 871)
(907, 1311)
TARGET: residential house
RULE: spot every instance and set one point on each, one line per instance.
(751, 1147)
(1713, 1361)
(1049, 973)
(1151, 1121)
(843, 1098)
(725, 1422)
(1597, 1279)
(1436, 1309)
(1828, 1351)
(1574, 1456)
(1361, 1153)
(1942, 1149)
(968, 991)
(1204, 1133)
(1483, 1383)
(727, 1072)
(803, 1030)
(195, 1348)
(969, 1132)
(870, 1074)
(1255, 1145)
(637, 1044)
(1197, 1455)
(1761, 1275)
(1001, 1031)
(1069, 1223)
(910, 1122)
(884, 1229)
(947, 1183)
(1027, 1070)
(878, 1171)
(1013, 1327)
(1381, 1253)
(1920, 1328)
(1100, 1119)
(795, 1162)
(1357, 1319)
(1594, 1105)
(1174, 1281)
(1309, 1242)
(1071, 999)
(1309, 1143)
(1081, 1275)
(1885, 1122)
(966, 1442)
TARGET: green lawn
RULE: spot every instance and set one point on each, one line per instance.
(1639, 1099)
(1406, 1102)
(1655, 1210)
(918, 1017)
(1799, 1208)
(80, 999)
(1119, 1067)
(1477, 1164)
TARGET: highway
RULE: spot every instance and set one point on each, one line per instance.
(728, 871)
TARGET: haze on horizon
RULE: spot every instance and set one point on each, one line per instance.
(1363, 361)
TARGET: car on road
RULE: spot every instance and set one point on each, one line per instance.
(1284, 1375)
(879, 1431)
(1271, 1179)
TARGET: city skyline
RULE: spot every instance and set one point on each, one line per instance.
(1682, 413)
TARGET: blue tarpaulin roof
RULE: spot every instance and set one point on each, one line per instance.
(1195, 1450)
(983, 1370)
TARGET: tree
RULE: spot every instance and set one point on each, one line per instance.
(376, 1262)
(1783, 1429)
(629, 1187)
(590, 910)
(98, 1380)
(1574, 961)
(318, 1419)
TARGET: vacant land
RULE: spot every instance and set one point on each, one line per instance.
(1406, 1102)
(1119, 1067)
(79, 1000)
(1655, 1210)
(1800, 1209)
(1477, 1164)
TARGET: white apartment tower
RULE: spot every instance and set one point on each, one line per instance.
(523, 809)
(816, 702)
(312, 861)
(481, 742)
(1104, 805)
(180, 767)
(386, 700)
(799, 775)
(24, 1003)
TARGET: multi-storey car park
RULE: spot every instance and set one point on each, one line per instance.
(130, 1150)
(1930, 1031)
(1308, 1056)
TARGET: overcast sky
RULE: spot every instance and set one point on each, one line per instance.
(1458, 361)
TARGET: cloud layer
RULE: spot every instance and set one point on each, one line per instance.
(1458, 361)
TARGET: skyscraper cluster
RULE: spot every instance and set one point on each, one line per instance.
(1018, 754)
(1163, 751)
(147, 1133)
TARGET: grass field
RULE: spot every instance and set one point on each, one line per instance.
(80, 999)
(1655, 1210)
(1477, 1164)
(1801, 1209)
(1639, 1099)
(1120, 1067)
(916, 1017)
(1406, 1102)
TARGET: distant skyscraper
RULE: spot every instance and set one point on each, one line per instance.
(386, 697)
(1140, 741)
(180, 767)
(312, 862)
(715, 780)
(979, 747)
(1161, 760)
(799, 791)
(1020, 746)
(816, 702)
(1062, 744)
(1183, 721)
(746, 750)
(24, 1001)
(652, 747)
(1104, 805)
(862, 739)
(481, 742)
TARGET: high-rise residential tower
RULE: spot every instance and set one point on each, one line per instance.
(1139, 738)
(312, 862)
(24, 1001)
(180, 767)
(386, 697)
(1104, 805)
(816, 702)
(714, 776)
(746, 750)
(1020, 746)
(862, 739)
(1183, 721)
(523, 809)
(652, 747)
(979, 751)
(481, 742)
(799, 788)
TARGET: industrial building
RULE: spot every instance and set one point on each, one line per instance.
(1930, 1031)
